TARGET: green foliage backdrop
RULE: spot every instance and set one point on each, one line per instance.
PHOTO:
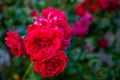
(100, 64)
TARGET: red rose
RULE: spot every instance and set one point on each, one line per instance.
(80, 9)
(42, 41)
(32, 27)
(54, 18)
(109, 5)
(66, 31)
(80, 30)
(104, 4)
(87, 1)
(51, 66)
(103, 43)
(87, 19)
(50, 13)
(93, 7)
(34, 14)
(14, 42)
(114, 4)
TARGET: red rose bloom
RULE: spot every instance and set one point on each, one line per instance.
(87, 1)
(109, 5)
(80, 9)
(50, 13)
(32, 27)
(93, 7)
(52, 65)
(14, 42)
(66, 32)
(104, 4)
(55, 18)
(80, 30)
(87, 19)
(42, 41)
(103, 43)
(34, 14)
(114, 4)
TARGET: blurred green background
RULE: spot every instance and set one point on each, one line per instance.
(99, 64)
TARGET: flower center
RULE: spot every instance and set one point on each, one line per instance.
(42, 45)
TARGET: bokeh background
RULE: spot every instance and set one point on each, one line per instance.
(87, 60)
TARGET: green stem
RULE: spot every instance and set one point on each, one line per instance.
(27, 71)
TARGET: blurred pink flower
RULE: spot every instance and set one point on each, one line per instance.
(89, 48)
(80, 30)
(88, 18)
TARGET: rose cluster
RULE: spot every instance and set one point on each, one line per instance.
(95, 5)
(81, 28)
(47, 37)
(85, 10)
